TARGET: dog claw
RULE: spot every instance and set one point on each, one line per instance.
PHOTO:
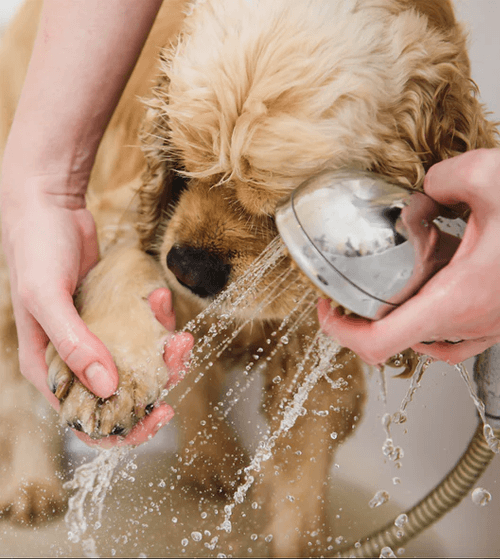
(76, 424)
(61, 391)
(60, 378)
(118, 430)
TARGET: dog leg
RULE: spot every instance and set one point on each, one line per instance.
(113, 303)
(211, 453)
(295, 480)
(30, 486)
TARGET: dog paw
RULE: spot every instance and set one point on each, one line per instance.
(140, 384)
(31, 490)
(34, 502)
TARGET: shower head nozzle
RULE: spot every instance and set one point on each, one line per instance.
(365, 241)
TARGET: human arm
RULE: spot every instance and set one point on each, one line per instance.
(82, 57)
(462, 301)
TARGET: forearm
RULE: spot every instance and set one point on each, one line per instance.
(83, 55)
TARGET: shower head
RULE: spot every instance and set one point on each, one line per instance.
(365, 241)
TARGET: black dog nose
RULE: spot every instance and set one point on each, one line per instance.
(201, 271)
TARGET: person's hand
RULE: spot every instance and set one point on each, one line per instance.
(50, 243)
(461, 303)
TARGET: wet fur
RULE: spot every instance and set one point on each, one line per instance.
(249, 100)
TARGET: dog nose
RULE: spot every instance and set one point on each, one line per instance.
(201, 271)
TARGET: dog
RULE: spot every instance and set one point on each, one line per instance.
(245, 99)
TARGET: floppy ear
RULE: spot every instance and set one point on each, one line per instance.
(439, 115)
(439, 12)
(161, 183)
(443, 116)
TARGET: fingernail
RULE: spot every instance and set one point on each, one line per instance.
(99, 381)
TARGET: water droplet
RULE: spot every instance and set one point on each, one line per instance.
(268, 538)
(481, 497)
(196, 536)
(387, 552)
(401, 520)
(184, 542)
(333, 435)
(379, 499)
(396, 481)
(399, 417)
(277, 379)
(392, 452)
(339, 540)
(253, 537)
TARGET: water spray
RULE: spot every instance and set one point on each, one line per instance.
(370, 244)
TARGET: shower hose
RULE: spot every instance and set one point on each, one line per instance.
(434, 505)
(459, 480)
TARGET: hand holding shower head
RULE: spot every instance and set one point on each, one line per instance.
(364, 241)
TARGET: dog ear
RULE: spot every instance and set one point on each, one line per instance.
(440, 13)
(159, 192)
(162, 183)
(439, 115)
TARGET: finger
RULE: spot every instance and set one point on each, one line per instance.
(81, 350)
(161, 305)
(465, 178)
(176, 356)
(144, 431)
(455, 353)
(32, 343)
(377, 341)
(90, 252)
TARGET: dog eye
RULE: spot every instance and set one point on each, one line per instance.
(175, 185)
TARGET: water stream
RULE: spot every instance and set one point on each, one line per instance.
(92, 481)
(321, 352)
(493, 442)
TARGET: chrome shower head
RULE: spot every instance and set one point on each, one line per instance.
(364, 241)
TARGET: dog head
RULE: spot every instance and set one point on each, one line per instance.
(256, 96)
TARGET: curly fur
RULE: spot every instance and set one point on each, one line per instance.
(250, 98)
(287, 89)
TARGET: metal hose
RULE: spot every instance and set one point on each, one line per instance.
(434, 505)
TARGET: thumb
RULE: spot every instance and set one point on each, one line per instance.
(469, 178)
(83, 352)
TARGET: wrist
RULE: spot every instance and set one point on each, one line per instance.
(41, 188)
(38, 148)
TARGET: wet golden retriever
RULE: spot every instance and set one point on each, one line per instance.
(245, 99)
